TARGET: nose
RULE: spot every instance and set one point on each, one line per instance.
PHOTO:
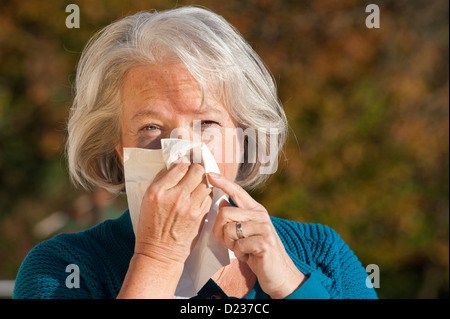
(186, 130)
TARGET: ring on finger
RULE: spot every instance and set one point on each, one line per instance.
(239, 232)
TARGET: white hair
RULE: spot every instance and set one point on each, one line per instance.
(206, 44)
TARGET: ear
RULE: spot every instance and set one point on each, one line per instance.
(119, 150)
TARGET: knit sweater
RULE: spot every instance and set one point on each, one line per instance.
(102, 255)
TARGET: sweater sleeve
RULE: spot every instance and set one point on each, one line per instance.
(312, 288)
(44, 274)
(331, 267)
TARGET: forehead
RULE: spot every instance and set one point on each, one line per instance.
(154, 80)
(147, 85)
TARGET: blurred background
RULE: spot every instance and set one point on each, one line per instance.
(368, 152)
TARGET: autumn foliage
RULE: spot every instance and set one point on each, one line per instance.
(368, 152)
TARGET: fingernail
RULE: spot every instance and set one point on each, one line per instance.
(214, 175)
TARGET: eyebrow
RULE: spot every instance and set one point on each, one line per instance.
(202, 109)
(147, 112)
(206, 108)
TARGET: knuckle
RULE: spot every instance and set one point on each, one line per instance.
(238, 190)
(160, 174)
(182, 167)
(257, 207)
(237, 247)
(154, 193)
(266, 229)
(261, 247)
(230, 244)
(261, 208)
(197, 168)
(192, 213)
(270, 242)
(184, 206)
(180, 200)
(262, 216)
(223, 211)
(228, 229)
(207, 203)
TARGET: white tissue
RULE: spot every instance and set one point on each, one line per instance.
(141, 166)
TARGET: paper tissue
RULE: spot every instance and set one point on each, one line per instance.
(141, 166)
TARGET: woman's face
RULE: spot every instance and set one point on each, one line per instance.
(163, 101)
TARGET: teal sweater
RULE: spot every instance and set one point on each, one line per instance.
(103, 253)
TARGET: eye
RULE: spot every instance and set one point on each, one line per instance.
(148, 128)
(208, 123)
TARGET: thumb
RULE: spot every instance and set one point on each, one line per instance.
(224, 203)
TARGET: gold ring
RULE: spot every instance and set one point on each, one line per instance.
(239, 232)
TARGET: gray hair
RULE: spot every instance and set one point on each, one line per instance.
(207, 45)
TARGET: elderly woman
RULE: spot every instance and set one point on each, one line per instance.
(138, 80)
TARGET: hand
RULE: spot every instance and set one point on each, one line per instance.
(172, 212)
(261, 248)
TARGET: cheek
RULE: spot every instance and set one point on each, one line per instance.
(230, 170)
(212, 138)
(226, 149)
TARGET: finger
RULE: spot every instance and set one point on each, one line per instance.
(171, 177)
(228, 214)
(200, 193)
(224, 228)
(160, 174)
(248, 229)
(239, 196)
(253, 245)
(224, 203)
(229, 235)
(194, 176)
(241, 257)
(221, 221)
(223, 218)
(182, 159)
(205, 205)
